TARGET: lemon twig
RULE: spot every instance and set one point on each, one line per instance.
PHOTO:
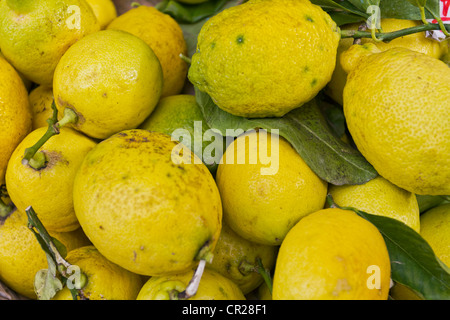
(37, 159)
(388, 36)
(246, 267)
(192, 287)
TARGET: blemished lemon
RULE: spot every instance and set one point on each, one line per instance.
(418, 42)
(108, 99)
(105, 280)
(400, 120)
(104, 10)
(144, 211)
(15, 113)
(213, 286)
(332, 254)
(21, 256)
(436, 231)
(265, 58)
(379, 197)
(163, 34)
(41, 99)
(49, 189)
(264, 197)
(34, 34)
(232, 252)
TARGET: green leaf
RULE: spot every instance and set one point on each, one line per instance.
(46, 282)
(403, 9)
(188, 13)
(346, 6)
(308, 132)
(413, 262)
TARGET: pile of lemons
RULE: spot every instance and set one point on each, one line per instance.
(137, 222)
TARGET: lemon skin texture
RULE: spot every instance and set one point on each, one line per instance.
(262, 208)
(15, 113)
(41, 99)
(436, 231)
(142, 210)
(21, 256)
(213, 286)
(265, 58)
(397, 112)
(104, 10)
(232, 251)
(417, 42)
(49, 189)
(108, 99)
(105, 280)
(380, 197)
(34, 34)
(164, 35)
(326, 256)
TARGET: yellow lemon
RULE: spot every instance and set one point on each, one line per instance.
(235, 257)
(332, 254)
(163, 34)
(105, 280)
(15, 113)
(144, 210)
(265, 58)
(397, 112)
(34, 34)
(41, 99)
(418, 42)
(213, 286)
(379, 197)
(436, 231)
(264, 197)
(21, 256)
(104, 10)
(49, 189)
(108, 99)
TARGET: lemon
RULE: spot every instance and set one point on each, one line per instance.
(265, 58)
(262, 206)
(397, 112)
(181, 112)
(34, 34)
(263, 292)
(49, 189)
(213, 286)
(233, 253)
(104, 10)
(21, 256)
(144, 211)
(436, 231)
(41, 99)
(332, 254)
(108, 99)
(379, 197)
(418, 42)
(15, 113)
(105, 280)
(163, 34)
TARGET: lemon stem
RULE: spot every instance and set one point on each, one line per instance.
(31, 156)
(389, 36)
(185, 59)
(192, 287)
(245, 268)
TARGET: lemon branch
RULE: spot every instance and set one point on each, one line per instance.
(389, 36)
(36, 159)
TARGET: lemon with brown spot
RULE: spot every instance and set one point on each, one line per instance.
(108, 99)
(213, 286)
(48, 186)
(144, 209)
(332, 254)
(164, 35)
(15, 113)
(21, 256)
